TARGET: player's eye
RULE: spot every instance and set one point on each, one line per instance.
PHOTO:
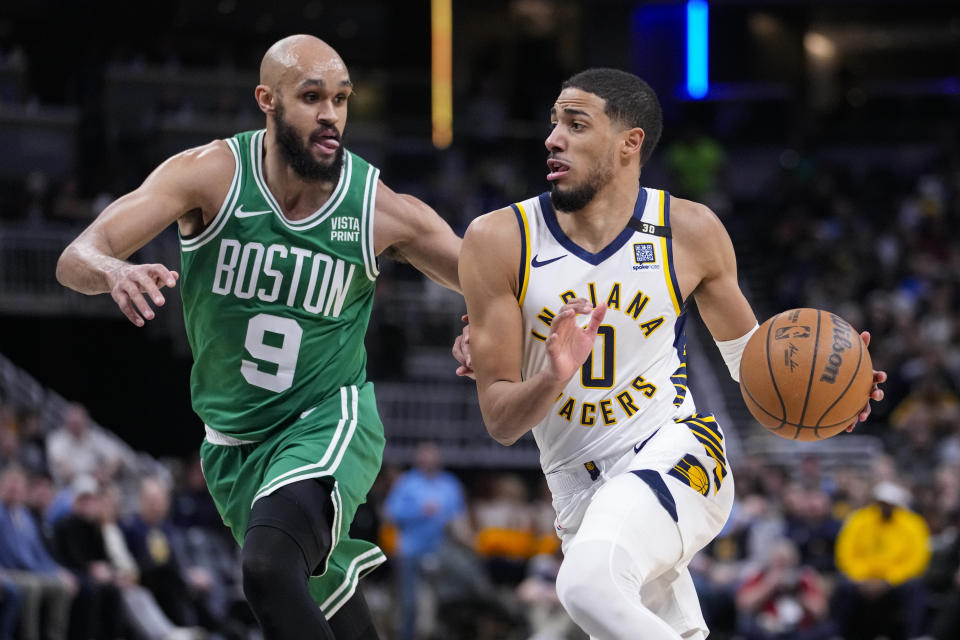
(340, 98)
(577, 126)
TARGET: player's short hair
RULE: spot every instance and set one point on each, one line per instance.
(629, 102)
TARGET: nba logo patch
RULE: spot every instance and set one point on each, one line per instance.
(689, 471)
(643, 252)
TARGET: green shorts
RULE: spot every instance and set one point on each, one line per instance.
(342, 438)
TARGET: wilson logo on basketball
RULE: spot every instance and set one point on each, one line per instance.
(841, 342)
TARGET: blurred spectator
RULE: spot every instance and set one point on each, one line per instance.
(141, 611)
(505, 534)
(9, 445)
(422, 503)
(79, 546)
(538, 593)
(192, 504)
(78, 448)
(41, 495)
(44, 585)
(33, 453)
(180, 589)
(781, 599)
(882, 550)
(813, 529)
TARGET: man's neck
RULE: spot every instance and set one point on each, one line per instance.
(601, 221)
(298, 198)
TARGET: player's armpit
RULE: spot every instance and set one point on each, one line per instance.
(407, 229)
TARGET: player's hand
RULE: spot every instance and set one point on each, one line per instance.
(568, 344)
(132, 284)
(461, 350)
(876, 393)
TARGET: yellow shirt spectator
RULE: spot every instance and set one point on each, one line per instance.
(884, 541)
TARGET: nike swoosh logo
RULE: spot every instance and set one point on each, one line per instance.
(240, 213)
(306, 413)
(542, 263)
(637, 447)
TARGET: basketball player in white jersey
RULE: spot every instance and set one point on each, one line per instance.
(639, 476)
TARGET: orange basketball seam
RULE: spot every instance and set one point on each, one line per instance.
(849, 384)
(773, 379)
(762, 408)
(813, 369)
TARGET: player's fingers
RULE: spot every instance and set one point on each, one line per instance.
(597, 317)
(879, 377)
(148, 285)
(865, 336)
(466, 334)
(123, 301)
(133, 291)
(465, 318)
(877, 394)
(162, 276)
(578, 305)
(457, 350)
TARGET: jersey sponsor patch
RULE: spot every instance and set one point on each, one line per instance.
(643, 253)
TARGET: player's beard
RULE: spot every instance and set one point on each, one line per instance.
(298, 156)
(578, 197)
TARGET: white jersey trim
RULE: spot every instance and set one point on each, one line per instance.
(367, 221)
(226, 209)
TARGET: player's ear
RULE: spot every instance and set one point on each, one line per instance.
(266, 98)
(632, 142)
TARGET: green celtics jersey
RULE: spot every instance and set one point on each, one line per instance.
(276, 310)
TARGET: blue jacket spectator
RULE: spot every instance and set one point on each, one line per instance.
(421, 503)
(44, 585)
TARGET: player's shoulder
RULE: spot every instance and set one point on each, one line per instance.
(492, 241)
(212, 156)
(206, 165)
(694, 221)
(494, 226)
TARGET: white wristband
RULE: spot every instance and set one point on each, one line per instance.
(732, 351)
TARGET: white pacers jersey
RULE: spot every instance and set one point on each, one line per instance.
(636, 378)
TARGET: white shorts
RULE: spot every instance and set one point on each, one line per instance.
(684, 463)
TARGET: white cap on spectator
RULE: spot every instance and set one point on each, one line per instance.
(84, 485)
(891, 494)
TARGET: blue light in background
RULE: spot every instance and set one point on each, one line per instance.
(698, 19)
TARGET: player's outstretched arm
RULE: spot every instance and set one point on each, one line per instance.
(193, 182)
(489, 263)
(407, 229)
(702, 248)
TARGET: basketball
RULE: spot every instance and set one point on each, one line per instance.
(806, 374)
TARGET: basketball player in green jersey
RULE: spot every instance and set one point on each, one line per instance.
(280, 230)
